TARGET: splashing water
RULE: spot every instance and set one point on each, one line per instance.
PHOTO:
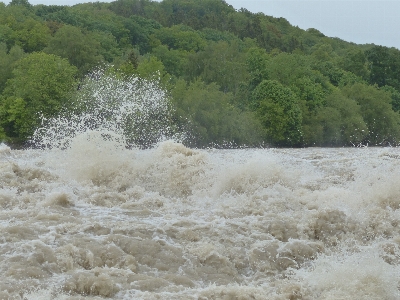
(131, 111)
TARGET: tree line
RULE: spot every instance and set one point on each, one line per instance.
(233, 77)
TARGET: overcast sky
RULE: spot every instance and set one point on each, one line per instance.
(358, 21)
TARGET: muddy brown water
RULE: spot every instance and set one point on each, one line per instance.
(97, 221)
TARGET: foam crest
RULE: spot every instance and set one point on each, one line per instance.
(4, 149)
(255, 174)
(94, 158)
(350, 275)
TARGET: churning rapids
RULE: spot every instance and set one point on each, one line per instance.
(93, 219)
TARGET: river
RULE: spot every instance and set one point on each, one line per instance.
(97, 221)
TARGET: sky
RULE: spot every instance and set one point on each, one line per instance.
(358, 21)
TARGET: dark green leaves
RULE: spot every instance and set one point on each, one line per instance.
(278, 109)
(39, 87)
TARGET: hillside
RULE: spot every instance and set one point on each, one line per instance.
(233, 77)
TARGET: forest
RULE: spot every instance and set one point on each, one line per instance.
(233, 77)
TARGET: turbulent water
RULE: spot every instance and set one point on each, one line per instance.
(176, 223)
(86, 217)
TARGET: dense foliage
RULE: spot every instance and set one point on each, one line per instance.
(233, 77)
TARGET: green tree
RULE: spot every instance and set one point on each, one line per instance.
(384, 64)
(311, 91)
(342, 121)
(175, 61)
(40, 86)
(206, 114)
(127, 8)
(395, 95)
(196, 14)
(355, 61)
(153, 69)
(221, 63)
(217, 35)
(180, 37)
(278, 109)
(295, 71)
(31, 35)
(97, 17)
(7, 60)
(140, 32)
(257, 66)
(3, 135)
(109, 48)
(81, 50)
(149, 68)
(24, 3)
(376, 109)
(7, 36)
(378, 58)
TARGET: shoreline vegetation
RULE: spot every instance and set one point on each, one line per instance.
(233, 78)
